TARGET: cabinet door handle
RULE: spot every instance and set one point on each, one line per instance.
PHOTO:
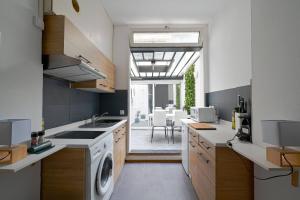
(192, 144)
(81, 57)
(203, 143)
(203, 158)
(116, 141)
(101, 84)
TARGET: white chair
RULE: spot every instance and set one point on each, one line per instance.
(178, 115)
(158, 108)
(159, 120)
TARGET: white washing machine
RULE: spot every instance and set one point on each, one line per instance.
(100, 170)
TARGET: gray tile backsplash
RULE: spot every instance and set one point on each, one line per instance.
(226, 100)
(63, 105)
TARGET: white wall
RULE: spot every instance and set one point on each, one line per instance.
(121, 53)
(92, 20)
(230, 47)
(199, 81)
(21, 83)
(276, 71)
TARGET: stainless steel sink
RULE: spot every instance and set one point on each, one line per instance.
(101, 123)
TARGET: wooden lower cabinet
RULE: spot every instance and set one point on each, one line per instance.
(218, 173)
(119, 146)
(63, 175)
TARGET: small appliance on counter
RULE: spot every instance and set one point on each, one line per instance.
(13, 132)
(204, 114)
(241, 121)
(244, 131)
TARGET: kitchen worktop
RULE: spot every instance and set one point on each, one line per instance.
(217, 137)
(82, 143)
(60, 144)
(224, 132)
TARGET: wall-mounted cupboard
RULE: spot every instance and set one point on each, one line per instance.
(63, 43)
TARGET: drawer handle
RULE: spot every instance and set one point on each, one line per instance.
(192, 144)
(116, 141)
(103, 85)
(203, 158)
(81, 57)
(203, 143)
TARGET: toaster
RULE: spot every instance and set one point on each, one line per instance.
(204, 114)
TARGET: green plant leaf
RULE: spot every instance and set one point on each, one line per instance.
(189, 88)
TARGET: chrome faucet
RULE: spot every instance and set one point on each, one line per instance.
(102, 115)
(94, 118)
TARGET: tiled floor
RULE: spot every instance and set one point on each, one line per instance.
(153, 181)
(140, 141)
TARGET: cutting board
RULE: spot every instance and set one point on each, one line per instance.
(202, 126)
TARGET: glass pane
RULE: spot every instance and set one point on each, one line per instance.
(155, 74)
(162, 63)
(169, 55)
(158, 55)
(148, 56)
(177, 58)
(144, 63)
(162, 73)
(183, 62)
(149, 74)
(193, 60)
(143, 74)
(138, 56)
(166, 37)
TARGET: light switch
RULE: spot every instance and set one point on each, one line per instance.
(122, 112)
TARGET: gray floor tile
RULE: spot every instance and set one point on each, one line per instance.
(153, 181)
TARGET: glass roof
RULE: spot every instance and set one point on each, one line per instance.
(162, 63)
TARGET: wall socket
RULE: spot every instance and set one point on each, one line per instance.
(122, 112)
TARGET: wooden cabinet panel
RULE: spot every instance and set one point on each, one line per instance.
(206, 164)
(200, 182)
(218, 173)
(234, 173)
(119, 150)
(62, 37)
(207, 146)
(63, 175)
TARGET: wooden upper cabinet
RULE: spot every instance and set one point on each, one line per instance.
(62, 38)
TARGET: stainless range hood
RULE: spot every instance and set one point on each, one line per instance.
(71, 69)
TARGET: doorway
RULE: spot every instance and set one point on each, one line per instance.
(158, 62)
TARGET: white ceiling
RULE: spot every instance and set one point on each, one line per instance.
(162, 11)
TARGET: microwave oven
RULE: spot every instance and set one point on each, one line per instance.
(204, 114)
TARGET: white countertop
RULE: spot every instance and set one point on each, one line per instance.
(62, 143)
(217, 137)
(82, 143)
(29, 160)
(224, 132)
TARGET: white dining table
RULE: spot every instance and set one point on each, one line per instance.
(170, 116)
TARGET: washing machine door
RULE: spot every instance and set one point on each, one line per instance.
(104, 174)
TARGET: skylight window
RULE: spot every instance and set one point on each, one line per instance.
(149, 63)
(166, 38)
